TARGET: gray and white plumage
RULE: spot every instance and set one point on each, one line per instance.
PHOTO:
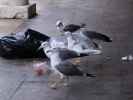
(58, 61)
(70, 27)
(69, 69)
(94, 35)
(82, 31)
(59, 41)
(64, 52)
(62, 66)
(81, 45)
(46, 47)
(56, 55)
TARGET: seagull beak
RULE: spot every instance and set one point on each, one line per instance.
(40, 48)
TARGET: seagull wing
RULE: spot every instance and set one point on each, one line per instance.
(69, 69)
(67, 54)
(71, 28)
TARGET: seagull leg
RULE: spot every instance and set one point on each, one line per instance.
(66, 83)
(64, 79)
(53, 86)
(53, 81)
(61, 76)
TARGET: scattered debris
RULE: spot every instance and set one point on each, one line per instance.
(40, 69)
(127, 58)
(53, 86)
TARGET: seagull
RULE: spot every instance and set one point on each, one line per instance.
(82, 45)
(62, 66)
(82, 31)
(57, 56)
(70, 27)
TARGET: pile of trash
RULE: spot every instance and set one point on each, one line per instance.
(22, 46)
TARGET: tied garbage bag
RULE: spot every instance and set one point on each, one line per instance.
(23, 46)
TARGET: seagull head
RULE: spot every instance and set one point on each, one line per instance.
(44, 45)
(48, 50)
(52, 52)
(59, 25)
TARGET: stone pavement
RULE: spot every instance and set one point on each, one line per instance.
(8, 26)
(114, 77)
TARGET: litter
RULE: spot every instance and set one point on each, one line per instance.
(127, 58)
(22, 45)
(40, 68)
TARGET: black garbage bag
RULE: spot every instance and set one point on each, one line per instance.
(12, 47)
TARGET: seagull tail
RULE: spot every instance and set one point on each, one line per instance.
(89, 75)
(98, 36)
(82, 25)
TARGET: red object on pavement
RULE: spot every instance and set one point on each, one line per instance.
(40, 69)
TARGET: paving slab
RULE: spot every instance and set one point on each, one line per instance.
(9, 25)
(9, 84)
(23, 67)
(114, 76)
(39, 91)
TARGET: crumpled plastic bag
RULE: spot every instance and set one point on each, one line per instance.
(41, 68)
(25, 46)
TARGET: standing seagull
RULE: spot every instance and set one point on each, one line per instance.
(59, 62)
(71, 27)
(83, 32)
(64, 67)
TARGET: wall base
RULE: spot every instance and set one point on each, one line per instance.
(18, 12)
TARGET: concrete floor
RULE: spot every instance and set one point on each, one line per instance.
(9, 25)
(114, 77)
